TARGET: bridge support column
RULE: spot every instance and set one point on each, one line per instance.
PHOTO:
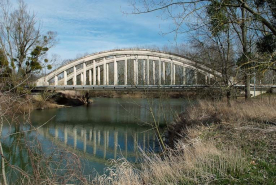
(125, 71)
(164, 73)
(144, 72)
(104, 72)
(99, 75)
(94, 72)
(56, 80)
(82, 83)
(115, 71)
(107, 74)
(135, 73)
(148, 71)
(153, 72)
(75, 76)
(184, 77)
(90, 77)
(171, 73)
(84, 74)
(65, 77)
(159, 72)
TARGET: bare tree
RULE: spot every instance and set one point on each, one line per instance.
(21, 39)
(251, 22)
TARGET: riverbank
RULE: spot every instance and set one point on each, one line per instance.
(21, 104)
(214, 143)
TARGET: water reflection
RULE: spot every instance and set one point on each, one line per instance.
(109, 129)
(99, 143)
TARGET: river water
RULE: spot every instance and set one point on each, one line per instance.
(108, 129)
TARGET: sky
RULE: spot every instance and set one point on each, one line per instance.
(88, 26)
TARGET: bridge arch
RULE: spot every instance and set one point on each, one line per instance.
(129, 67)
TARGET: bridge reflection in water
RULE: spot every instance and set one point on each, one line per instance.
(99, 144)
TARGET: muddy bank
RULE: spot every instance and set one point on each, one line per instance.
(61, 99)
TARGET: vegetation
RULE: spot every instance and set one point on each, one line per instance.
(23, 47)
(238, 32)
(235, 146)
(214, 142)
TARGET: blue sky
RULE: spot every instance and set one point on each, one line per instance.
(88, 26)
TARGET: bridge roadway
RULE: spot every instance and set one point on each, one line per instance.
(261, 88)
(125, 87)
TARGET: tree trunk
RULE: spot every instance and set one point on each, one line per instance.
(245, 52)
(2, 155)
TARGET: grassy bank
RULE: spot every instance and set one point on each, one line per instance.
(214, 144)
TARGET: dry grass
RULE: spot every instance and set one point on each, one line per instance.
(238, 149)
(190, 163)
(257, 110)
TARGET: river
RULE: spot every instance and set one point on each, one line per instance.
(110, 128)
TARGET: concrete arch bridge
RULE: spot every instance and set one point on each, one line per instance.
(133, 68)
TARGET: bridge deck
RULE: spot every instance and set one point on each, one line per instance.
(124, 87)
(144, 87)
